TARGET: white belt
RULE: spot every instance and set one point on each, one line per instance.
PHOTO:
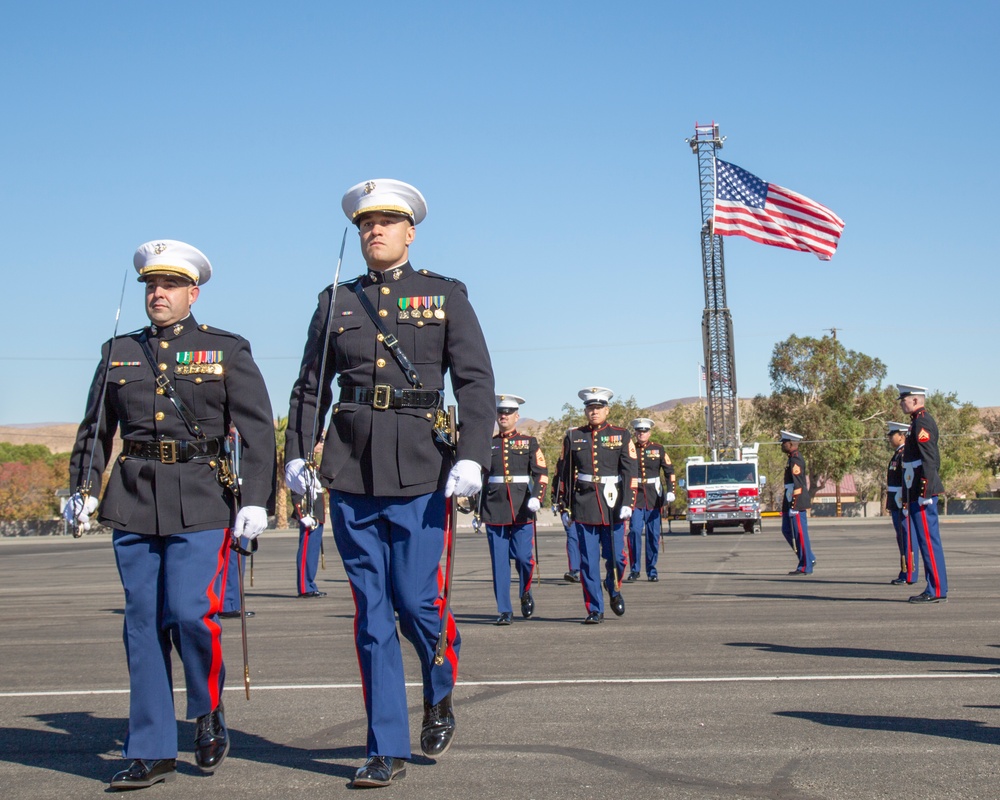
(890, 488)
(651, 480)
(510, 479)
(592, 479)
(914, 464)
(789, 485)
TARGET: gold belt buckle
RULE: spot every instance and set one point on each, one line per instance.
(383, 397)
(168, 451)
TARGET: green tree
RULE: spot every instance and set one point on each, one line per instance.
(965, 452)
(281, 499)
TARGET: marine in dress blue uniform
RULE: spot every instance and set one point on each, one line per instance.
(599, 466)
(310, 544)
(511, 497)
(906, 540)
(170, 514)
(795, 504)
(560, 504)
(650, 495)
(388, 474)
(921, 487)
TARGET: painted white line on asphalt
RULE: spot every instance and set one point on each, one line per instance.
(571, 682)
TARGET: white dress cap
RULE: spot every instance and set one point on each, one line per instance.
(386, 195)
(788, 436)
(170, 257)
(595, 395)
(905, 390)
(897, 427)
(642, 423)
(509, 402)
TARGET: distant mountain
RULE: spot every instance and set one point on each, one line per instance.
(666, 405)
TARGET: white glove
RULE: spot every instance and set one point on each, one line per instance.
(926, 501)
(251, 521)
(565, 519)
(671, 497)
(898, 494)
(792, 512)
(309, 522)
(297, 478)
(534, 504)
(625, 513)
(464, 480)
(76, 510)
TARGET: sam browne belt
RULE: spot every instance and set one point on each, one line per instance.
(510, 479)
(171, 451)
(383, 397)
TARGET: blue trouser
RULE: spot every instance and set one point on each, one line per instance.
(906, 541)
(173, 588)
(391, 548)
(596, 542)
(924, 525)
(237, 565)
(795, 529)
(573, 547)
(644, 526)
(307, 557)
(507, 542)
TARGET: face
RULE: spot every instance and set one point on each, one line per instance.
(911, 403)
(896, 438)
(169, 298)
(642, 436)
(385, 240)
(596, 415)
(507, 420)
(787, 447)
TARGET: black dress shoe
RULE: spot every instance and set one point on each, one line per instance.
(527, 605)
(313, 594)
(898, 581)
(573, 576)
(506, 618)
(927, 597)
(142, 773)
(594, 618)
(618, 604)
(438, 727)
(632, 577)
(653, 578)
(236, 614)
(211, 740)
(379, 771)
(799, 571)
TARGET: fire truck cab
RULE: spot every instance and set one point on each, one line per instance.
(724, 493)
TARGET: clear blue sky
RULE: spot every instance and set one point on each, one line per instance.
(548, 139)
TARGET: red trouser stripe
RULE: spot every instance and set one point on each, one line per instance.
(930, 554)
(212, 621)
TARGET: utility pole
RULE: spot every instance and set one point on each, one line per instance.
(836, 369)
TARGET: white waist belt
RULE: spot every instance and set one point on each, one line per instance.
(510, 479)
(592, 479)
(890, 488)
(651, 480)
(916, 463)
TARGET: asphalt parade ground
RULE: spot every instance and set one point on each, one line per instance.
(728, 678)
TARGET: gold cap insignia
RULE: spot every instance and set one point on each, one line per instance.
(159, 248)
(369, 187)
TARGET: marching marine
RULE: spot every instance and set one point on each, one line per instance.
(921, 487)
(795, 504)
(172, 389)
(513, 494)
(644, 525)
(599, 467)
(391, 467)
(906, 541)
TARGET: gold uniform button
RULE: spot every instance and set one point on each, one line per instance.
(380, 362)
(122, 381)
(158, 391)
(197, 380)
(340, 330)
(380, 337)
(163, 367)
(159, 416)
(420, 324)
(383, 313)
(203, 327)
(385, 290)
(164, 345)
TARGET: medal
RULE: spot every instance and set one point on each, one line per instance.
(439, 313)
(427, 313)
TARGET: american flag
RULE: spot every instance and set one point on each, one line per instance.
(767, 213)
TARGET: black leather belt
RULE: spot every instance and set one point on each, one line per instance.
(171, 451)
(383, 396)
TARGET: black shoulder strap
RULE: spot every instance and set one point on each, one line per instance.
(164, 383)
(390, 341)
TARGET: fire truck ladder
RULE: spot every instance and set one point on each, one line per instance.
(722, 418)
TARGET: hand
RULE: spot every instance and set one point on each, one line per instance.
(926, 501)
(565, 519)
(309, 522)
(534, 504)
(78, 511)
(792, 512)
(671, 497)
(464, 480)
(625, 513)
(300, 479)
(251, 521)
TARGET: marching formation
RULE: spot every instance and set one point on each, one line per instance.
(193, 486)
